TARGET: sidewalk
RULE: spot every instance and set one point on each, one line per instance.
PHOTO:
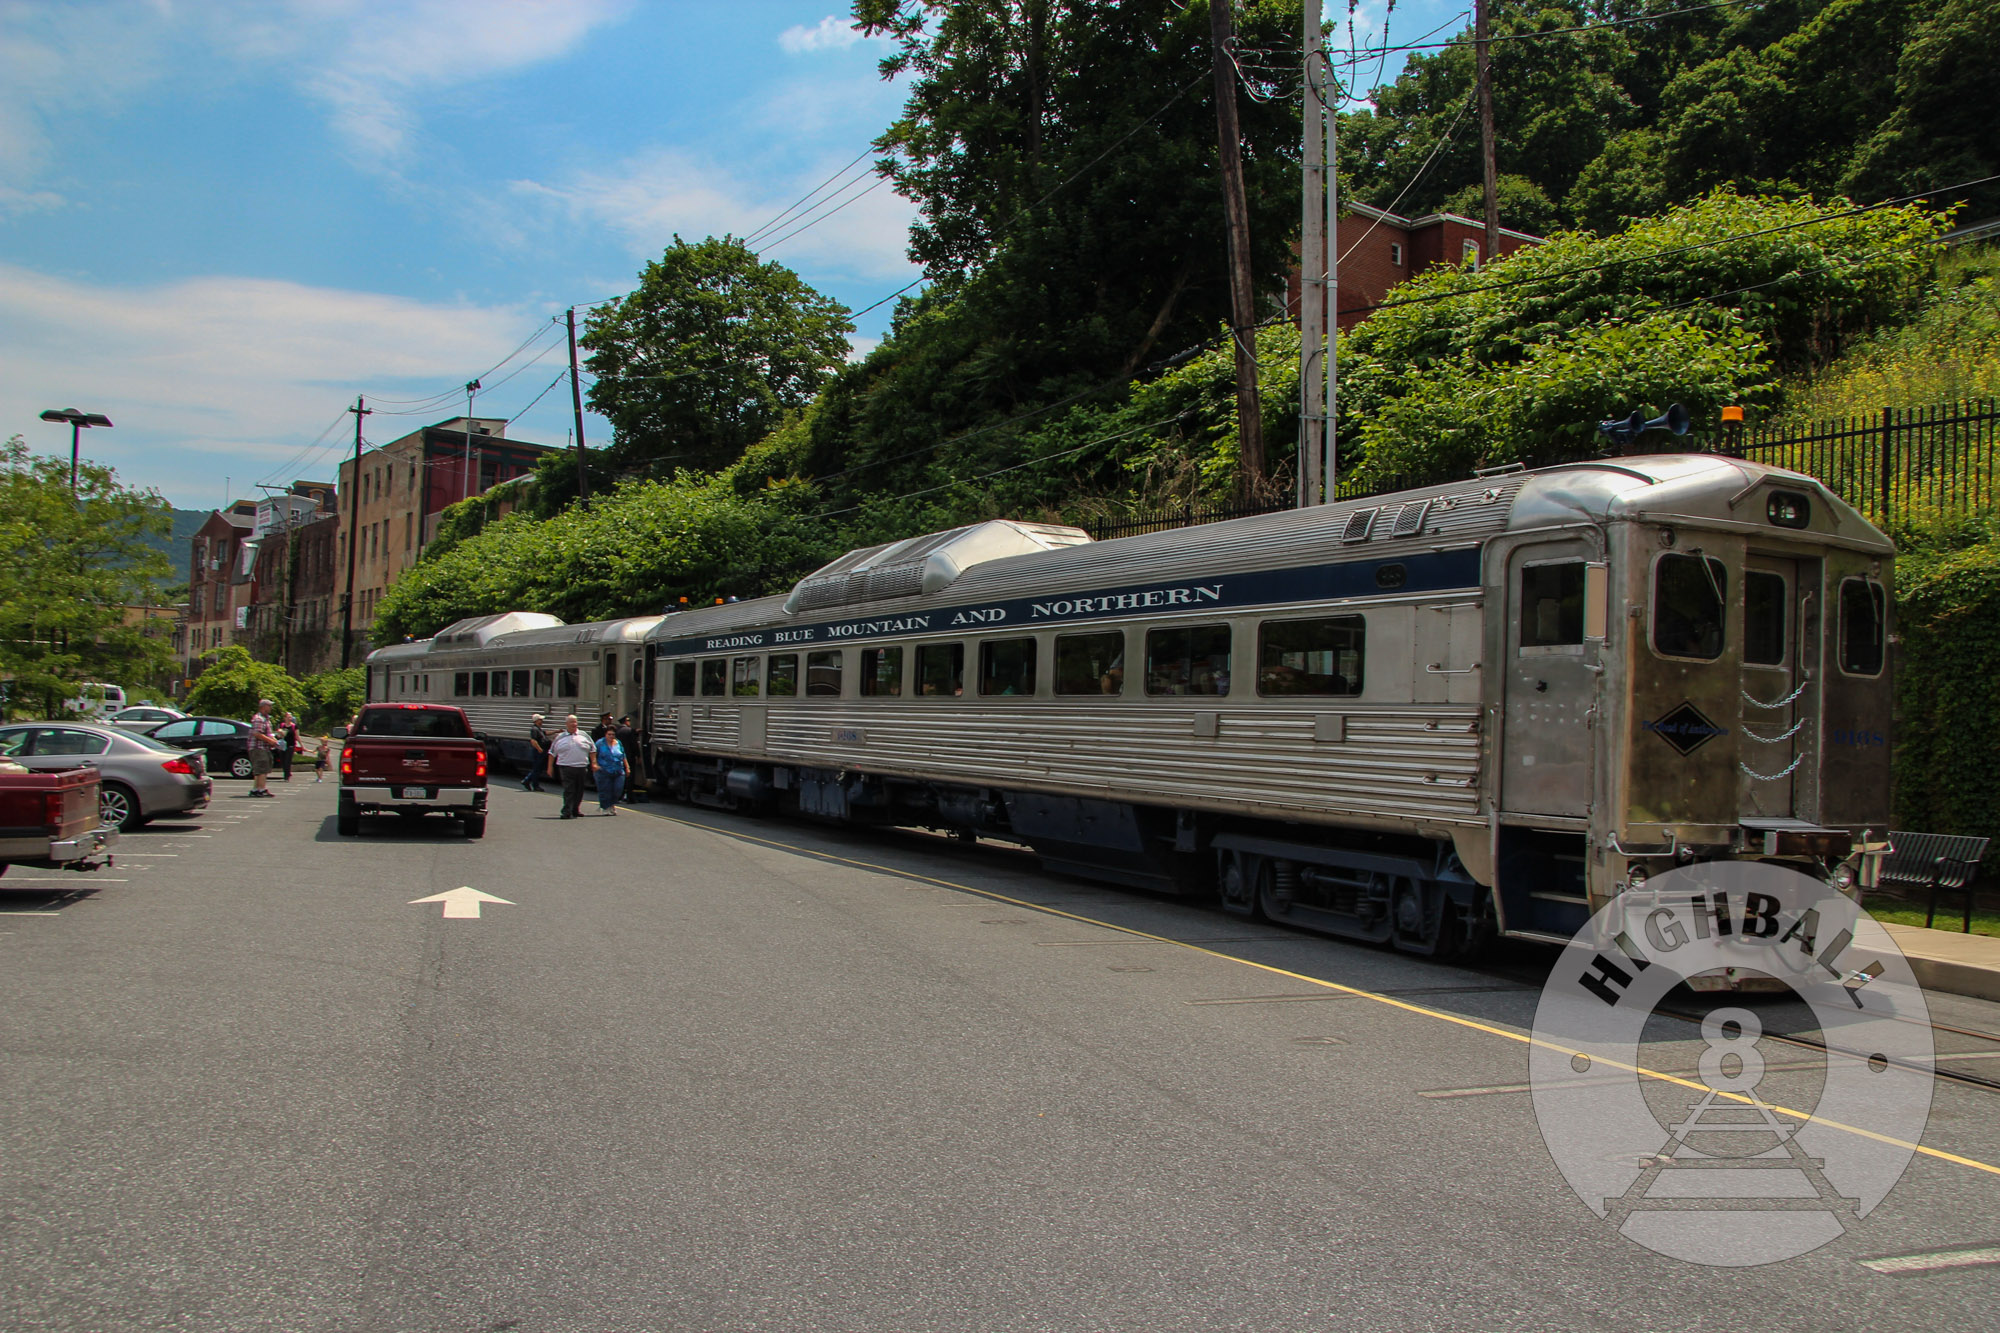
(1947, 961)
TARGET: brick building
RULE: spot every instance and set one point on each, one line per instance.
(1379, 250)
(221, 584)
(295, 620)
(403, 487)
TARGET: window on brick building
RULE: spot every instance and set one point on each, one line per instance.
(1468, 253)
(1395, 254)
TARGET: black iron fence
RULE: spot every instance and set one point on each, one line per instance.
(1903, 464)
(1177, 516)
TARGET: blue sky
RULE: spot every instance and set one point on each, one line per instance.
(220, 220)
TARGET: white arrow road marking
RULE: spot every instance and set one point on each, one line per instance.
(462, 901)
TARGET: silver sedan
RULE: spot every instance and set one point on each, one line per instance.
(140, 779)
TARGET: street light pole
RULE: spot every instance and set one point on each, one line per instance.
(77, 421)
(471, 388)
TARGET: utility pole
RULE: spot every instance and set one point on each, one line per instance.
(360, 410)
(1312, 268)
(576, 403)
(1486, 159)
(471, 387)
(1242, 294)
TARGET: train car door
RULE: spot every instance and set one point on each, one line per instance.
(1549, 678)
(1780, 615)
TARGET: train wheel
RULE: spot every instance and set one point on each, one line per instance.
(1236, 884)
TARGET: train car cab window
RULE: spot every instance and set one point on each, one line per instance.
(1007, 667)
(545, 682)
(1190, 660)
(1320, 656)
(1862, 607)
(940, 670)
(610, 669)
(746, 677)
(683, 680)
(715, 677)
(638, 671)
(1764, 615)
(782, 679)
(478, 684)
(461, 684)
(823, 675)
(569, 682)
(1552, 604)
(1689, 592)
(1090, 663)
(882, 672)
(520, 684)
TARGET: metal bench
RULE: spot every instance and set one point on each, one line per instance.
(1934, 861)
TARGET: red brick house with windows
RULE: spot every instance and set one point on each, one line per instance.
(1379, 250)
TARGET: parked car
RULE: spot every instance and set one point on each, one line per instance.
(413, 759)
(225, 740)
(144, 717)
(51, 819)
(140, 779)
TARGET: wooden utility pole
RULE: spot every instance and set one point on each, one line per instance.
(360, 410)
(1312, 266)
(1242, 295)
(1486, 160)
(576, 402)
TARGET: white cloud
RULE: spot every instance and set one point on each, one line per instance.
(229, 375)
(829, 34)
(651, 198)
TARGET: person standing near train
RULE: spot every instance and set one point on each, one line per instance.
(538, 742)
(573, 756)
(613, 767)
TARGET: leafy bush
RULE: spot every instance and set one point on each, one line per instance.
(331, 697)
(1947, 694)
(233, 682)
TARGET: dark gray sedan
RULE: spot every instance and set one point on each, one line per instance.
(140, 779)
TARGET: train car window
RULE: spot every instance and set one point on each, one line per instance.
(1190, 660)
(478, 684)
(638, 671)
(1007, 666)
(782, 679)
(940, 670)
(569, 682)
(1862, 607)
(1311, 656)
(823, 675)
(520, 684)
(715, 677)
(1090, 663)
(746, 677)
(611, 669)
(461, 684)
(1764, 615)
(882, 672)
(1688, 596)
(1552, 604)
(683, 680)
(545, 682)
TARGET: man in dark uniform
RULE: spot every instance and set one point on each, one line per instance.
(628, 736)
(538, 741)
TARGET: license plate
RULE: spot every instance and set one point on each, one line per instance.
(414, 793)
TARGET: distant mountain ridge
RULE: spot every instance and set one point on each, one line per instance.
(179, 544)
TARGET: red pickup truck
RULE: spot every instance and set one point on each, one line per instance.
(412, 759)
(51, 819)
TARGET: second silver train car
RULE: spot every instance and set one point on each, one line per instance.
(1418, 718)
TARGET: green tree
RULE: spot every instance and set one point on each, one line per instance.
(1942, 129)
(70, 565)
(707, 353)
(331, 697)
(232, 682)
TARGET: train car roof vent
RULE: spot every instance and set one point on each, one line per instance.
(478, 631)
(1410, 519)
(930, 563)
(1358, 524)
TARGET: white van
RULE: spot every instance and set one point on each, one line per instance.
(96, 700)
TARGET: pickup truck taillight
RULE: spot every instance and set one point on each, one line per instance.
(479, 769)
(53, 812)
(346, 763)
(181, 766)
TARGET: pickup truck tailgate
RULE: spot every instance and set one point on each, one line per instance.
(408, 760)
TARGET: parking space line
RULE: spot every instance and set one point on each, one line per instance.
(1901, 1264)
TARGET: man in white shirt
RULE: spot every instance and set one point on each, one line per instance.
(572, 756)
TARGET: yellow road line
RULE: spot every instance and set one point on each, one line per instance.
(1525, 1039)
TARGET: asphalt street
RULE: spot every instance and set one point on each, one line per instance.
(701, 1071)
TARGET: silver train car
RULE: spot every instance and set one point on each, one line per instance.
(1419, 719)
(504, 669)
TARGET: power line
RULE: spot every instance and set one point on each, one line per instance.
(1559, 32)
(774, 223)
(880, 181)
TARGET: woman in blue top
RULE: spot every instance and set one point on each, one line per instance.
(613, 767)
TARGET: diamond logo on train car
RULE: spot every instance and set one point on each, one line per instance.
(1685, 728)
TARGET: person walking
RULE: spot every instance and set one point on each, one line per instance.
(324, 758)
(635, 758)
(573, 756)
(613, 767)
(263, 744)
(538, 741)
(288, 744)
